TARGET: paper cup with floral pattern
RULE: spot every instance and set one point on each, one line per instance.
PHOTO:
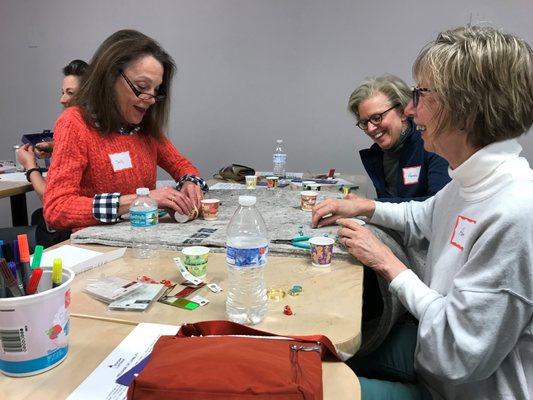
(272, 182)
(308, 199)
(210, 209)
(251, 181)
(321, 251)
(195, 260)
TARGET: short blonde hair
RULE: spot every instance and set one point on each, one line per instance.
(391, 86)
(484, 81)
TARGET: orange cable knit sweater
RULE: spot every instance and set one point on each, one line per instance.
(82, 167)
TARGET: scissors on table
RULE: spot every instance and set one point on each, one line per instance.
(299, 241)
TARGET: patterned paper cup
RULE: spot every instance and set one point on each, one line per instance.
(195, 260)
(210, 209)
(272, 182)
(308, 199)
(321, 251)
(251, 181)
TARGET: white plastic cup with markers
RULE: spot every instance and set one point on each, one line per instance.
(34, 329)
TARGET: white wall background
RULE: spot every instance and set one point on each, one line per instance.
(249, 71)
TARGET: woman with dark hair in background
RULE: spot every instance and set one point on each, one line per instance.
(111, 142)
(72, 75)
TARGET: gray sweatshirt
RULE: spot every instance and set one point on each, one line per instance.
(474, 301)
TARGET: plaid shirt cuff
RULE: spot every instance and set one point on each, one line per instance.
(194, 179)
(105, 207)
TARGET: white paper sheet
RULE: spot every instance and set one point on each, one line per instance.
(137, 345)
(79, 259)
(15, 177)
(227, 186)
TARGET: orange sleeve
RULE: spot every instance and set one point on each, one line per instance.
(64, 206)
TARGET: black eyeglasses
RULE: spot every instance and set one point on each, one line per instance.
(374, 118)
(416, 94)
(142, 95)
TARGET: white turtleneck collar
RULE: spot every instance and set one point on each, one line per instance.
(488, 169)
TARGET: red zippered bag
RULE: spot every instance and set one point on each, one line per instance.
(216, 360)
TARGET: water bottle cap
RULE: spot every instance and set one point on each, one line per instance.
(279, 140)
(247, 201)
(143, 192)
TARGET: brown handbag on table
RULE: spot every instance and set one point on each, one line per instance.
(216, 360)
(234, 173)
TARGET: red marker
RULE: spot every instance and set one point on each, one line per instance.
(34, 281)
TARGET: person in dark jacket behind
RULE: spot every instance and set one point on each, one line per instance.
(399, 167)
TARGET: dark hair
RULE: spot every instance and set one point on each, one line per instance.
(96, 96)
(76, 68)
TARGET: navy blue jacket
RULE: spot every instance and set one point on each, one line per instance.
(421, 174)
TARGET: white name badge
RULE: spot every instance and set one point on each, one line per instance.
(120, 161)
(462, 231)
(411, 175)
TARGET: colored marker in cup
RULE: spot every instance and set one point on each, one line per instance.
(57, 273)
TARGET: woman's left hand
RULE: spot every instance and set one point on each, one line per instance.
(26, 157)
(193, 192)
(367, 248)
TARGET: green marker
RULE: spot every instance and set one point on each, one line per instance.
(37, 255)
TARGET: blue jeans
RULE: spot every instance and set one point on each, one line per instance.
(388, 373)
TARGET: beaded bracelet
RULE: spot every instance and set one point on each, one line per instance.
(28, 173)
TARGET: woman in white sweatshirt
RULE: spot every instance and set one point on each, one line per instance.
(474, 300)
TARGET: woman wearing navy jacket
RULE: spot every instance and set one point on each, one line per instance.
(399, 167)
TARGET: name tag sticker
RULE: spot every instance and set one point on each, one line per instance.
(411, 175)
(462, 231)
(120, 161)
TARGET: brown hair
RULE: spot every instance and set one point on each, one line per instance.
(484, 81)
(96, 96)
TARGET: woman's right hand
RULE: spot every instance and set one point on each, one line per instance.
(26, 157)
(44, 149)
(351, 206)
(170, 199)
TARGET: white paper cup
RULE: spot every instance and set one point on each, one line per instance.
(251, 181)
(210, 209)
(272, 182)
(195, 260)
(308, 200)
(321, 251)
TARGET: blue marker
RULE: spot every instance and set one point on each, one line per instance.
(1, 252)
(16, 274)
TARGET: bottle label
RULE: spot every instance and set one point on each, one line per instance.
(279, 158)
(143, 219)
(250, 257)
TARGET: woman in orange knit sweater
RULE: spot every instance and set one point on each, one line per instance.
(111, 142)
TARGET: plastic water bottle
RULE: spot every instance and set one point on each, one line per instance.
(279, 160)
(144, 219)
(246, 258)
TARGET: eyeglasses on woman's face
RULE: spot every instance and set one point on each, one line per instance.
(416, 91)
(142, 95)
(374, 118)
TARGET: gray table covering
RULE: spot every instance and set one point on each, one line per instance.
(285, 220)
